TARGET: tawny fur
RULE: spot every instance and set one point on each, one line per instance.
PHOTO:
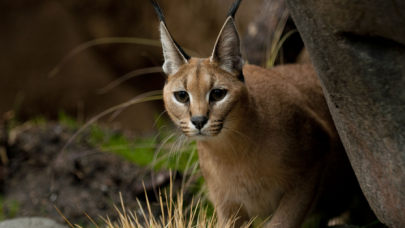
(270, 146)
(278, 149)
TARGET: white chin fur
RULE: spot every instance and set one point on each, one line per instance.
(198, 137)
(202, 136)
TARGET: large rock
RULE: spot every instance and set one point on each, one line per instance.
(357, 48)
(31, 222)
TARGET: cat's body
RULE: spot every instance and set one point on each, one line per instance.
(266, 141)
(282, 143)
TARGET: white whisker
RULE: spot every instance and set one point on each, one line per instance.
(159, 148)
(159, 132)
(159, 117)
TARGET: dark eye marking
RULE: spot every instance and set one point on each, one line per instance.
(181, 96)
(217, 94)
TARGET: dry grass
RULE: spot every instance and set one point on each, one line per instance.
(174, 215)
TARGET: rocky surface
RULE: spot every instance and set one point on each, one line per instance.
(357, 48)
(31, 222)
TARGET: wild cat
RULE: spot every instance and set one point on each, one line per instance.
(266, 141)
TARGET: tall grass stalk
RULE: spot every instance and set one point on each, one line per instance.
(107, 40)
(149, 96)
(128, 76)
(277, 40)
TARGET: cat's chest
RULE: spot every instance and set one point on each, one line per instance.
(242, 182)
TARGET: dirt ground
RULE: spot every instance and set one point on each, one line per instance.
(84, 180)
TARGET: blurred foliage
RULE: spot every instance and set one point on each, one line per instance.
(8, 210)
(162, 151)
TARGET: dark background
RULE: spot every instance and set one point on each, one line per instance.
(36, 35)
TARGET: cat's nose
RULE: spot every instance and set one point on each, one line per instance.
(199, 121)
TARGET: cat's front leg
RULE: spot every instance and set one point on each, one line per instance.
(228, 211)
(296, 203)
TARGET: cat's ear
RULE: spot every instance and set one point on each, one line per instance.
(173, 54)
(227, 50)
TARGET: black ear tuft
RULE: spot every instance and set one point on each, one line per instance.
(161, 17)
(159, 11)
(234, 8)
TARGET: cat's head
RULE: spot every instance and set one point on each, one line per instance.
(201, 95)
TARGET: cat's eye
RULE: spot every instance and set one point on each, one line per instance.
(217, 94)
(181, 96)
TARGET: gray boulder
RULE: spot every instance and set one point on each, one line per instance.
(31, 222)
(357, 48)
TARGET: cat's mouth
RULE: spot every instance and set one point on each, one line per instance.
(201, 135)
(204, 134)
(211, 129)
